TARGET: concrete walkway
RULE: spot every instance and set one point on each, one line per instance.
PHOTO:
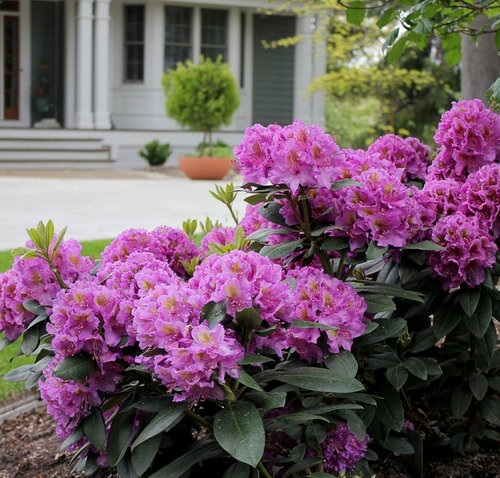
(101, 204)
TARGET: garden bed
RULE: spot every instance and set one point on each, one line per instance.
(30, 449)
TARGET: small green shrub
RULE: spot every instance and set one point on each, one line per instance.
(156, 153)
(219, 149)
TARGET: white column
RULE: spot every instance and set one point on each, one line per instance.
(101, 65)
(84, 119)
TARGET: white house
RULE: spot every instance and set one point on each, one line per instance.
(91, 69)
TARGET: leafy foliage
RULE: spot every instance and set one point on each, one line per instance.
(156, 153)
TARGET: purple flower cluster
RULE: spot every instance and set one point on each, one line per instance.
(342, 449)
(165, 243)
(296, 155)
(322, 299)
(470, 249)
(33, 279)
(468, 137)
(410, 155)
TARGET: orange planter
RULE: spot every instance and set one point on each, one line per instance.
(205, 167)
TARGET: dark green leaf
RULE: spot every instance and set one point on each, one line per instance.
(144, 454)
(153, 404)
(397, 376)
(4, 342)
(446, 318)
(120, 435)
(423, 340)
(75, 368)
(312, 378)
(342, 183)
(461, 398)
(335, 244)
(164, 421)
(94, 429)
(315, 435)
(266, 400)
(343, 364)
(34, 307)
(248, 381)
(19, 374)
(237, 470)
(469, 299)
(271, 212)
(304, 324)
(354, 423)
(416, 367)
(201, 451)
(386, 17)
(77, 435)
(377, 303)
(280, 250)
(31, 340)
(387, 289)
(374, 251)
(248, 318)
(390, 409)
(213, 312)
(239, 431)
(481, 318)
(490, 410)
(391, 38)
(398, 445)
(304, 464)
(386, 328)
(424, 246)
(261, 234)
(478, 385)
(255, 359)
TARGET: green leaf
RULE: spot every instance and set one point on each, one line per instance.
(343, 183)
(343, 364)
(378, 303)
(390, 409)
(374, 251)
(248, 381)
(490, 410)
(354, 423)
(95, 429)
(255, 359)
(446, 318)
(493, 92)
(397, 50)
(237, 470)
(164, 421)
(416, 367)
(77, 435)
(240, 432)
(120, 435)
(280, 250)
(34, 307)
(144, 454)
(480, 320)
(19, 374)
(248, 318)
(312, 378)
(75, 368)
(31, 339)
(213, 312)
(49, 233)
(304, 324)
(304, 464)
(424, 246)
(461, 399)
(203, 450)
(397, 376)
(260, 234)
(271, 212)
(266, 400)
(386, 17)
(386, 328)
(355, 12)
(335, 244)
(391, 38)
(398, 445)
(59, 239)
(315, 435)
(478, 385)
(387, 289)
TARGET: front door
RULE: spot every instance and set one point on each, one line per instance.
(9, 64)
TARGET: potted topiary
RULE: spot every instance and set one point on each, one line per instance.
(202, 96)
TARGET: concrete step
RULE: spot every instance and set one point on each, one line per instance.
(54, 155)
(50, 143)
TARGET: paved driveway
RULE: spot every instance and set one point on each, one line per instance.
(101, 204)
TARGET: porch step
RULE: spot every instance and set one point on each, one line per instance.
(52, 153)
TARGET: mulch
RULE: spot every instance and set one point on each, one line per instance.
(30, 449)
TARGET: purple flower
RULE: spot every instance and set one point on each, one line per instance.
(342, 449)
(468, 137)
(469, 251)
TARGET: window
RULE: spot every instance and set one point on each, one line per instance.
(180, 23)
(134, 44)
(178, 35)
(214, 33)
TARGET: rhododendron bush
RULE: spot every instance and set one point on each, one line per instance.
(350, 310)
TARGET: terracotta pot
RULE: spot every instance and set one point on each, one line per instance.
(205, 167)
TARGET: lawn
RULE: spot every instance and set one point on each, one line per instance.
(89, 248)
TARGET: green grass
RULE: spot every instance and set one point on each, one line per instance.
(7, 362)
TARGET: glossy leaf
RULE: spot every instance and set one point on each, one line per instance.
(446, 318)
(280, 250)
(75, 368)
(248, 381)
(397, 376)
(237, 470)
(390, 409)
(94, 429)
(478, 385)
(399, 445)
(416, 367)
(239, 431)
(266, 400)
(481, 318)
(386, 328)
(469, 299)
(461, 399)
(120, 436)
(144, 454)
(161, 422)
(343, 364)
(213, 312)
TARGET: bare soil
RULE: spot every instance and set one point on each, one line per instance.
(29, 448)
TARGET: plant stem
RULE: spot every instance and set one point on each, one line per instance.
(262, 469)
(198, 419)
